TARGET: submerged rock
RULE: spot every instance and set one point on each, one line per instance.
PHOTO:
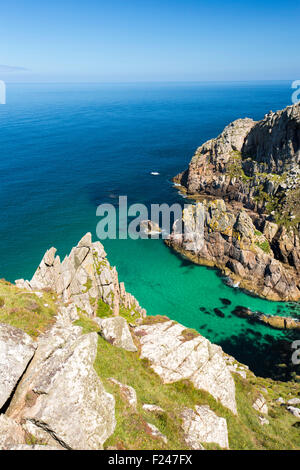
(219, 313)
(225, 301)
(61, 395)
(149, 227)
(274, 321)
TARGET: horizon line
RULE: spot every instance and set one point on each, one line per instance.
(95, 82)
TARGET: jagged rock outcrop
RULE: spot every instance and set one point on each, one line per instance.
(256, 165)
(116, 331)
(16, 350)
(204, 426)
(83, 277)
(232, 243)
(60, 399)
(174, 358)
(274, 142)
(127, 392)
(11, 433)
(148, 227)
(207, 169)
(260, 405)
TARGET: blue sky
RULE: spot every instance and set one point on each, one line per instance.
(149, 40)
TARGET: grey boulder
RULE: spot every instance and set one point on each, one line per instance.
(116, 331)
(204, 426)
(16, 350)
(61, 396)
(11, 434)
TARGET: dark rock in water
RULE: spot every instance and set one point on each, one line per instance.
(242, 312)
(225, 301)
(274, 321)
(249, 331)
(203, 310)
(219, 313)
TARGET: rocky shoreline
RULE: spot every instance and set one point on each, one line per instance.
(275, 321)
(250, 174)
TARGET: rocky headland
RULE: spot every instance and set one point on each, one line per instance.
(82, 366)
(248, 181)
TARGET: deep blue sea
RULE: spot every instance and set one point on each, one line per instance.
(66, 148)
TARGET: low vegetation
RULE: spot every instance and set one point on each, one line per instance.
(103, 310)
(35, 314)
(26, 310)
(245, 431)
(264, 246)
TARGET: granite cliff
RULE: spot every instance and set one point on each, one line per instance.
(83, 367)
(254, 168)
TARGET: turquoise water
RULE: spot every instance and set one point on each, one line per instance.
(67, 148)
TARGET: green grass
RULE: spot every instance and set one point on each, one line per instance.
(87, 324)
(235, 168)
(152, 319)
(264, 246)
(103, 310)
(88, 285)
(130, 315)
(245, 432)
(189, 334)
(26, 310)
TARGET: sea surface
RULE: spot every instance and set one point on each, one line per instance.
(66, 148)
